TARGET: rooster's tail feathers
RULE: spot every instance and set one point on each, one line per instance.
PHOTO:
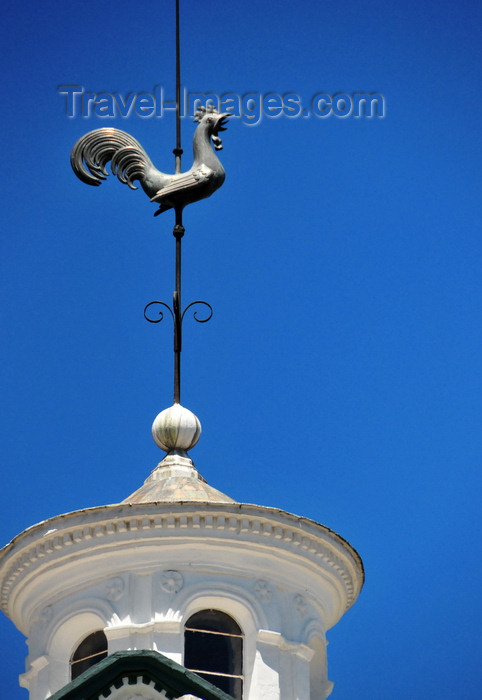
(93, 151)
(129, 164)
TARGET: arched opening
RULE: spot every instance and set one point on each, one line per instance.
(90, 651)
(213, 648)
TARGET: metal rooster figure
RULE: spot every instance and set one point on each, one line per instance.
(130, 162)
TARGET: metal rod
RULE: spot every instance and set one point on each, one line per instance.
(178, 233)
(178, 228)
(178, 150)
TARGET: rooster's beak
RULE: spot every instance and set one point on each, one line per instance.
(221, 122)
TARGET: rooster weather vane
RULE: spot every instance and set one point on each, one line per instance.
(130, 162)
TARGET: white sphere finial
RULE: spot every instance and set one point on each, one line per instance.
(176, 428)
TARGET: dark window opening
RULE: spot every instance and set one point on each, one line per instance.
(213, 648)
(89, 652)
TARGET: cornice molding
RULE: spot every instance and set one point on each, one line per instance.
(81, 534)
(119, 631)
(276, 639)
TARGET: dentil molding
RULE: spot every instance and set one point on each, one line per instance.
(80, 535)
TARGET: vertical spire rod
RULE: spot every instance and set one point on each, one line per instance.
(178, 231)
(178, 150)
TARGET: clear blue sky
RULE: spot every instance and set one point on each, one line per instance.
(340, 377)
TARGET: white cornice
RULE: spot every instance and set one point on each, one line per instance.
(50, 553)
(276, 639)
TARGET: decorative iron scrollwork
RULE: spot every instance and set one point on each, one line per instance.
(195, 313)
(177, 319)
(161, 313)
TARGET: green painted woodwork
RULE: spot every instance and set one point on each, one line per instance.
(166, 674)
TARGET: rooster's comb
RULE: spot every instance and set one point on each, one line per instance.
(202, 111)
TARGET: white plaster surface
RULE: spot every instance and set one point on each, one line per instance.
(140, 571)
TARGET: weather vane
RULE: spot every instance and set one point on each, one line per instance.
(130, 162)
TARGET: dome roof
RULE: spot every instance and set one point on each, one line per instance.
(176, 479)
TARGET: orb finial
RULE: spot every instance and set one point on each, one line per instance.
(176, 429)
